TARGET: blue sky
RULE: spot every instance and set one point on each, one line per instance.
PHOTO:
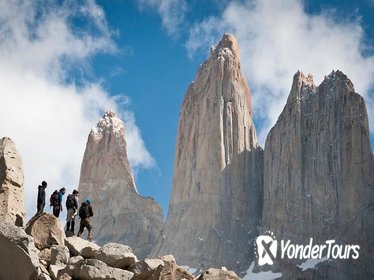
(63, 64)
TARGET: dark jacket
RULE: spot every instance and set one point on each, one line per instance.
(41, 195)
(90, 211)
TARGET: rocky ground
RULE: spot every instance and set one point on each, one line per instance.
(42, 251)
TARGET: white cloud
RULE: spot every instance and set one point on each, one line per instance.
(276, 39)
(172, 12)
(48, 118)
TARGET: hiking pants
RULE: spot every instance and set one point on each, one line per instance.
(40, 208)
(70, 219)
(56, 210)
(85, 223)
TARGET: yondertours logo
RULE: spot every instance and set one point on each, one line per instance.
(267, 247)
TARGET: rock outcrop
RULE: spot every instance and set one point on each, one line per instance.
(12, 206)
(120, 213)
(318, 172)
(46, 230)
(18, 255)
(216, 201)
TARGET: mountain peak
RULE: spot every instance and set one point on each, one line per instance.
(227, 44)
(339, 77)
(109, 123)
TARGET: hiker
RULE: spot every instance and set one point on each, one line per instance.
(56, 201)
(72, 208)
(85, 213)
(41, 197)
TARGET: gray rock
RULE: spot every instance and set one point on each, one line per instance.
(120, 213)
(318, 171)
(71, 270)
(65, 276)
(45, 255)
(18, 255)
(46, 230)
(76, 261)
(54, 270)
(218, 274)
(60, 255)
(78, 246)
(96, 270)
(44, 276)
(116, 255)
(145, 268)
(12, 207)
(215, 205)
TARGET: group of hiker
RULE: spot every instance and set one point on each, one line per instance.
(84, 212)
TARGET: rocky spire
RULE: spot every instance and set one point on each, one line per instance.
(215, 205)
(318, 170)
(121, 214)
(12, 207)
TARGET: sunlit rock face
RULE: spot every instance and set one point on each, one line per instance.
(216, 203)
(120, 213)
(12, 207)
(319, 172)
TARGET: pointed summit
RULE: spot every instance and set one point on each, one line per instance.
(121, 214)
(109, 123)
(215, 203)
(227, 45)
(338, 79)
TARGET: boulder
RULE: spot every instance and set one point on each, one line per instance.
(45, 255)
(44, 276)
(96, 270)
(46, 230)
(218, 274)
(116, 255)
(54, 270)
(59, 255)
(12, 207)
(160, 268)
(71, 270)
(18, 255)
(172, 271)
(76, 261)
(65, 276)
(78, 246)
(147, 269)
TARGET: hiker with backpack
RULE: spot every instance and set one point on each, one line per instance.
(41, 198)
(85, 213)
(56, 201)
(72, 208)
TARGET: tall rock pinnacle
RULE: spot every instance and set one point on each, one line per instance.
(318, 172)
(120, 213)
(12, 207)
(215, 205)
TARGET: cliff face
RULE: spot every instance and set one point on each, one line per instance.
(12, 207)
(215, 205)
(120, 213)
(318, 170)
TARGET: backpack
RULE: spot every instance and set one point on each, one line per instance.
(53, 200)
(84, 211)
(70, 201)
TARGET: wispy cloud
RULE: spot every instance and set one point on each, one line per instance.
(48, 118)
(172, 12)
(276, 39)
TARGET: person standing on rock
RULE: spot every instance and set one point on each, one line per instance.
(85, 213)
(57, 207)
(41, 197)
(72, 208)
